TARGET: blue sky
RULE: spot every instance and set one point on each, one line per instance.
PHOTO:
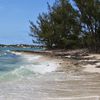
(14, 19)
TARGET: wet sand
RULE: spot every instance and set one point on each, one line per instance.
(70, 81)
(53, 86)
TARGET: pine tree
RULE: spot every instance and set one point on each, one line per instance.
(89, 12)
(59, 28)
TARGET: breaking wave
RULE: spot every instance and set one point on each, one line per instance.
(16, 65)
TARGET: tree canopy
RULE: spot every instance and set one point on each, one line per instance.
(69, 26)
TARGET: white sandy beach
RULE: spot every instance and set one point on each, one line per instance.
(52, 81)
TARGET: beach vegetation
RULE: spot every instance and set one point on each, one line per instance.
(69, 26)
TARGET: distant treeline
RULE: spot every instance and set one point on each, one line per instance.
(22, 45)
(69, 25)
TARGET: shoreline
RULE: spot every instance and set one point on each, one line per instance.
(74, 60)
(68, 80)
(44, 63)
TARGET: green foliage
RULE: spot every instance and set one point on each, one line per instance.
(66, 27)
(89, 12)
(56, 27)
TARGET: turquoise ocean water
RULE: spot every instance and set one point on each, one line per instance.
(13, 66)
